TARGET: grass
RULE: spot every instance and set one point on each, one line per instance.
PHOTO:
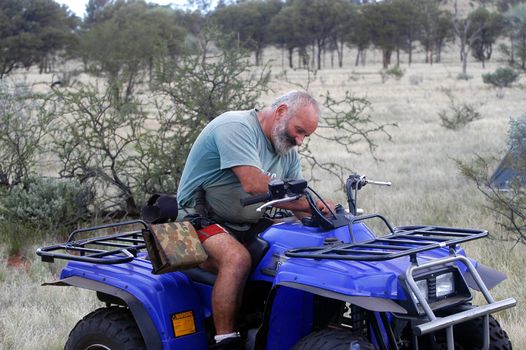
(427, 187)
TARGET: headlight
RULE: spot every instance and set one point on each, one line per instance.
(445, 284)
(422, 287)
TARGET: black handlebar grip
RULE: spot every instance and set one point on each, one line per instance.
(263, 197)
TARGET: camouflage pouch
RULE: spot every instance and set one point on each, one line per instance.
(173, 246)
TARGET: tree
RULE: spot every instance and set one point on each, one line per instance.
(25, 120)
(491, 27)
(436, 29)
(381, 20)
(516, 17)
(248, 21)
(467, 31)
(286, 33)
(123, 39)
(359, 35)
(31, 31)
(126, 149)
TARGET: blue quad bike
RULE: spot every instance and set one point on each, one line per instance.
(327, 282)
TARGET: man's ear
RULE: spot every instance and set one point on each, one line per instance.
(281, 111)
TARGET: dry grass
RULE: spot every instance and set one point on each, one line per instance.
(427, 187)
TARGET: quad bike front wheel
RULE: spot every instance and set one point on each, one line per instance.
(332, 339)
(108, 328)
(469, 336)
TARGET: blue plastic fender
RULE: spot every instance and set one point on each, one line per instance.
(161, 296)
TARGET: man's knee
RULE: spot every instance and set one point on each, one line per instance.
(225, 250)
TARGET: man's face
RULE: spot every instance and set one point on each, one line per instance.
(292, 128)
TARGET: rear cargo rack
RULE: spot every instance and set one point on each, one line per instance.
(118, 248)
(404, 241)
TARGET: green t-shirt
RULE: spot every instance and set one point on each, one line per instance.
(234, 138)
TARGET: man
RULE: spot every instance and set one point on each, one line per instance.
(236, 155)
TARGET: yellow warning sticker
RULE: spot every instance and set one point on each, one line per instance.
(183, 323)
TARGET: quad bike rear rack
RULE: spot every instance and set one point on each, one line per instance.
(117, 248)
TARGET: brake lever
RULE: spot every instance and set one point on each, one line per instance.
(277, 201)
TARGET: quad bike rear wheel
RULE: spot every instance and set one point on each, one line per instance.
(332, 339)
(108, 328)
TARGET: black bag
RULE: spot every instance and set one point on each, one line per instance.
(161, 208)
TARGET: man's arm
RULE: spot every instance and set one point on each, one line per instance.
(254, 181)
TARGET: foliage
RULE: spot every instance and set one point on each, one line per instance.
(436, 28)
(122, 40)
(95, 141)
(502, 77)
(395, 72)
(25, 120)
(349, 122)
(32, 30)
(346, 122)
(491, 27)
(123, 151)
(459, 114)
(248, 23)
(509, 205)
(516, 17)
(46, 202)
(190, 92)
(381, 21)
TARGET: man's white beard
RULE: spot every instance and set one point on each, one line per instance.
(280, 138)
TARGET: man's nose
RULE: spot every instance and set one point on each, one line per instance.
(299, 140)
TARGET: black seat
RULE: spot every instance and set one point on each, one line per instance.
(257, 248)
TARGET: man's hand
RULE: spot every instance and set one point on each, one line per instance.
(325, 209)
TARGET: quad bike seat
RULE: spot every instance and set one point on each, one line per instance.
(257, 248)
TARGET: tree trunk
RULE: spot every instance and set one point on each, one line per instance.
(386, 58)
(340, 55)
(319, 55)
(291, 53)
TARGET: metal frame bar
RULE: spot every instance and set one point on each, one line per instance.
(448, 322)
(405, 241)
(127, 244)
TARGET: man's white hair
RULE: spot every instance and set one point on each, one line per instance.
(294, 100)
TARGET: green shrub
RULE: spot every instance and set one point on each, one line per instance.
(46, 203)
(458, 115)
(502, 77)
(394, 72)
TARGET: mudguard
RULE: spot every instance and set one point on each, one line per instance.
(365, 284)
(153, 299)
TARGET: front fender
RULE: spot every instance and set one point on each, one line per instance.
(371, 285)
(153, 299)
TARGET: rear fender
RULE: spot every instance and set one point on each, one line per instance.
(153, 299)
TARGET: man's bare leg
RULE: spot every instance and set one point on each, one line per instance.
(231, 260)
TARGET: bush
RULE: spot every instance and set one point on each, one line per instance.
(25, 119)
(459, 115)
(395, 72)
(46, 203)
(502, 77)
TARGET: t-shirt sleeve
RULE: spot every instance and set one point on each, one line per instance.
(237, 145)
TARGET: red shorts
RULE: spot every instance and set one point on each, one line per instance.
(209, 231)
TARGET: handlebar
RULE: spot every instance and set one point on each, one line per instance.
(257, 198)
